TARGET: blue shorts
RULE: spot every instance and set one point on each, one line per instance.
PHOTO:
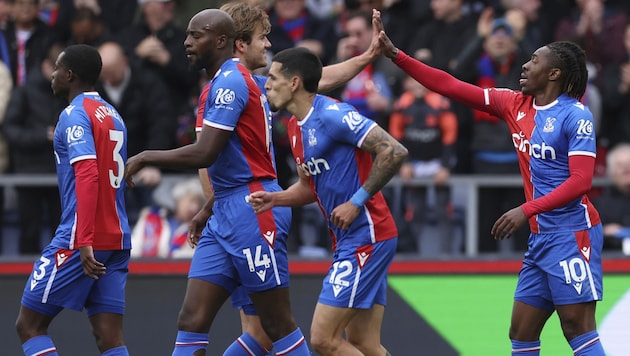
(358, 276)
(562, 268)
(58, 282)
(240, 300)
(240, 247)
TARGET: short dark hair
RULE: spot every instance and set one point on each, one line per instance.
(302, 62)
(83, 60)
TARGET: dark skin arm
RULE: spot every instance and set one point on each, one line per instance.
(508, 223)
(91, 267)
(202, 153)
(199, 222)
(389, 155)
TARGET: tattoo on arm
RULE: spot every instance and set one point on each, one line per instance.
(389, 155)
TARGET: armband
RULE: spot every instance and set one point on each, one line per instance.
(360, 197)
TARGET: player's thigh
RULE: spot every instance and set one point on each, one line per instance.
(30, 323)
(202, 302)
(330, 322)
(577, 319)
(211, 279)
(527, 321)
(365, 327)
(108, 330)
(108, 292)
(274, 310)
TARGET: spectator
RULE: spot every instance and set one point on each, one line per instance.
(5, 13)
(325, 9)
(614, 203)
(438, 43)
(87, 27)
(616, 98)
(27, 39)
(28, 127)
(371, 91)
(293, 25)
(398, 16)
(139, 96)
(529, 28)
(423, 122)
(162, 229)
(493, 59)
(6, 86)
(155, 42)
(115, 14)
(598, 28)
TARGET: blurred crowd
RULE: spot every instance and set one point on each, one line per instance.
(146, 76)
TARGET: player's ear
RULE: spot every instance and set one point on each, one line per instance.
(555, 74)
(296, 83)
(70, 75)
(240, 45)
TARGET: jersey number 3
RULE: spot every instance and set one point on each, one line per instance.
(115, 178)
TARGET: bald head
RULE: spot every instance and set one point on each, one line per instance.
(114, 63)
(210, 39)
(215, 20)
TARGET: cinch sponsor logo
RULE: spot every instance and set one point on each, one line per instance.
(542, 151)
(313, 166)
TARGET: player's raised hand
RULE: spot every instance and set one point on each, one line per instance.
(91, 267)
(375, 48)
(508, 223)
(388, 48)
(261, 201)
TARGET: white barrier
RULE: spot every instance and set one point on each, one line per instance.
(465, 193)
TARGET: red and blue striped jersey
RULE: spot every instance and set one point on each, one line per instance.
(326, 147)
(544, 138)
(91, 128)
(236, 103)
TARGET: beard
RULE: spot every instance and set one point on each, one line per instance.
(195, 66)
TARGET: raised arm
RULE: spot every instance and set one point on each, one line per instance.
(338, 74)
(434, 79)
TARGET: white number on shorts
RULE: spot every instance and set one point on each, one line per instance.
(261, 259)
(41, 269)
(574, 270)
(341, 269)
(116, 179)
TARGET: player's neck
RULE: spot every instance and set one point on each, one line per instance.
(301, 105)
(213, 67)
(74, 92)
